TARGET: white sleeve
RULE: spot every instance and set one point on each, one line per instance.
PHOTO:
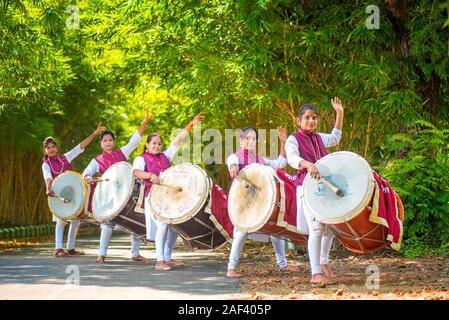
(139, 163)
(91, 169)
(75, 152)
(171, 151)
(331, 140)
(46, 171)
(279, 163)
(292, 151)
(132, 144)
(232, 159)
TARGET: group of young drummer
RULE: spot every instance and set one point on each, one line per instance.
(300, 150)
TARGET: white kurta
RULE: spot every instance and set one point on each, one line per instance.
(294, 158)
(71, 155)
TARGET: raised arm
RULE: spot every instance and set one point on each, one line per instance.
(282, 134)
(90, 138)
(184, 133)
(336, 103)
(144, 123)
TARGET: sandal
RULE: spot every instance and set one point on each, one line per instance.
(100, 259)
(73, 252)
(162, 266)
(174, 263)
(140, 258)
(60, 253)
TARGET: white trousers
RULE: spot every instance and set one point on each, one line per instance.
(320, 235)
(239, 242)
(162, 234)
(105, 237)
(59, 233)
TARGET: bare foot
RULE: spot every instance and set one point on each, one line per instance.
(161, 265)
(290, 268)
(319, 278)
(327, 271)
(232, 274)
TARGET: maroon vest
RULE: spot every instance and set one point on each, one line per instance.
(153, 164)
(58, 165)
(311, 148)
(106, 159)
(246, 158)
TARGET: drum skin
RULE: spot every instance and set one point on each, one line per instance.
(114, 201)
(74, 184)
(248, 215)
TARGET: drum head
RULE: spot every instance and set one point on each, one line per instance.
(349, 172)
(172, 206)
(250, 208)
(110, 197)
(70, 186)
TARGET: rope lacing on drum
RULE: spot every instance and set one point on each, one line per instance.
(355, 236)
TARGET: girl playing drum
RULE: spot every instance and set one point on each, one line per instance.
(303, 149)
(236, 162)
(55, 164)
(148, 167)
(100, 164)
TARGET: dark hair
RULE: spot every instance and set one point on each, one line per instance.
(306, 107)
(106, 132)
(45, 144)
(149, 138)
(245, 130)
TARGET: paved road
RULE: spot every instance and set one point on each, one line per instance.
(35, 274)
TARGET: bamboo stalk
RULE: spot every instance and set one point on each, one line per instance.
(368, 133)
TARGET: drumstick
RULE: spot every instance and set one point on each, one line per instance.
(61, 198)
(179, 189)
(100, 180)
(334, 188)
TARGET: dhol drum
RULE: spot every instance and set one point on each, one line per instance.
(258, 203)
(183, 199)
(70, 195)
(347, 215)
(116, 200)
(87, 214)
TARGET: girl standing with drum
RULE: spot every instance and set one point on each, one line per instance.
(100, 164)
(55, 164)
(304, 148)
(148, 167)
(236, 162)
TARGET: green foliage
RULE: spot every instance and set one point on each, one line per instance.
(420, 178)
(242, 62)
